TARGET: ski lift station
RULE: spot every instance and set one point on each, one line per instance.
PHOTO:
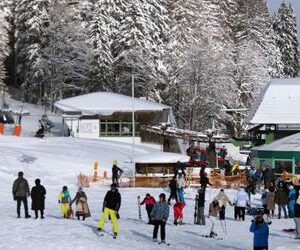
(275, 114)
(110, 116)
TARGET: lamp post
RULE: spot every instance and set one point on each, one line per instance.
(133, 128)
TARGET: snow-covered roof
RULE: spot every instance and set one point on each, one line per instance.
(278, 103)
(106, 103)
(161, 157)
(290, 143)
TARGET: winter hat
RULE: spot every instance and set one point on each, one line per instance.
(80, 188)
(147, 194)
(37, 182)
(113, 185)
(291, 187)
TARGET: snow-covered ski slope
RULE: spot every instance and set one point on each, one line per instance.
(57, 161)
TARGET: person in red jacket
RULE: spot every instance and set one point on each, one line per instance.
(149, 201)
(178, 212)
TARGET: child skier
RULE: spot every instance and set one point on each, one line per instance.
(64, 199)
(149, 201)
(214, 209)
(178, 212)
(261, 233)
(181, 185)
(82, 208)
(159, 215)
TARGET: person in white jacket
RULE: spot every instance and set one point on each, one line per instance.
(241, 201)
(181, 185)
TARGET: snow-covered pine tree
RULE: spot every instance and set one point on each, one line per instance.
(137, 48)
(285, 28)
(102, 30)
(31, 20)
(4, 48)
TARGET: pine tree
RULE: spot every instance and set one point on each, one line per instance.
(138, 47)
(31, 20)
(285, 27)
(4, 49)
(101, 40)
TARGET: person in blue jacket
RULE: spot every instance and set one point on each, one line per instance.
(261, 233)
(292, 201)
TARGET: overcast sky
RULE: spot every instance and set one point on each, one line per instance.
(274, 4)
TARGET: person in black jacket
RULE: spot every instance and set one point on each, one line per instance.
(111, 206)
(38, 198)
(116, 173)
(173, 190)
(201, 205)
(204, 181)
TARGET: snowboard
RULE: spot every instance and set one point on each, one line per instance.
(196, 209)
(139, 207)
(167, 244)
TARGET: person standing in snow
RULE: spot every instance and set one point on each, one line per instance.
(149, 201)
(178, 212)
(214, 210)
(111, 206)
(116, 173)
(292, 201)
(297, 218)
(204, 181)
(159, 216)
(222, 199)
(241, 201)
(181, 185)
(201, 205)
(38, 198)
(178, 168)
(260, 229)
(64, 199)
(281, 199)
(82, 207)
(173, 190)
(270, 198)
(20, 192)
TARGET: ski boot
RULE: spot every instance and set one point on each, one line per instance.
(115, 235)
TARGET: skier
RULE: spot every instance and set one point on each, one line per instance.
(20, 192)
(64, 199)
(159, 216)
(261, 233)
(149, 201)
(82, 207)
(173, 190)
(181, 185)
(201, 205)
(111, 206)
(281, 199)
(222, 199)
(241, 201)
(38, 198)
(178, 212)
(204, 181)
(292, 201)
(297, 218)
(214, 209)
(116, 173)
(270, 198)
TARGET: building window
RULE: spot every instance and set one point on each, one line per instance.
(265, 163)
(281, 166)
(117, 128)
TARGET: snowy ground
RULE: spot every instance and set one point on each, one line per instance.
(57, 161)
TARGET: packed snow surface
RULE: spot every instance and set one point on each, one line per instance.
(57, 161)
